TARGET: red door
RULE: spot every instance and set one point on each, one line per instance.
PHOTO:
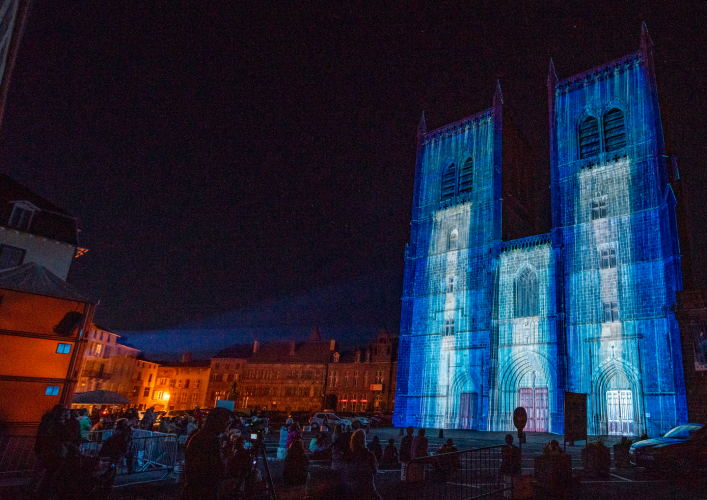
(536, 406)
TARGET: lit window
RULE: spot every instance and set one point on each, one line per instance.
(608, 258)
(157, 395)
(21, 216)
(63, 348)
(52, 390)
(449, 326)
(599, 208)
(526, 293)
(611, 312)
(454, 240)
(11, 256)
(336, 357)
(589, 137)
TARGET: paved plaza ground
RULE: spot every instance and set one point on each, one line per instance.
(621, 483)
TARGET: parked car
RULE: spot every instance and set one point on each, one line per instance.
(682, 449)
(358, 420)
(333, 418)
(382, 419)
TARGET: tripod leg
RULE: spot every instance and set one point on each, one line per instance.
(267, 473)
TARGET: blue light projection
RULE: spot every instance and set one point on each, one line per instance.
(488, 325)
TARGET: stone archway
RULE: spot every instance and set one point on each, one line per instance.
(616, 400)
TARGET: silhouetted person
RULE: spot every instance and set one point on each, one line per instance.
(390, 453)
(510, 457)
(406, 446)
(203, 462)
(360, 471)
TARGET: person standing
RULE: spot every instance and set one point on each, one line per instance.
(419, 445)
(296, 469)
(203, 461)
(406, 446)
(376, 448)
(360, 470)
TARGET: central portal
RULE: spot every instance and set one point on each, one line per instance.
(620, 413)
(535, 403)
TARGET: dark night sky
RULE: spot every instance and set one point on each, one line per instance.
(220, 155)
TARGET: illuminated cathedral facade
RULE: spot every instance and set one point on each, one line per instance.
(491, 321)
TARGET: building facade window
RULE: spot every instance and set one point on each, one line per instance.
(63, 348)
(449, 178)
(614, 130)
(450, 284)
(11, 256)
(526, 293)
(599, 208)
(611, 312)
(52, 390)
(466, 177)
(449, 326)
(454, 240)
(146, 392)
(184, 397)
(608, 258)
(195, 397)
(22, 214)
(589, 137)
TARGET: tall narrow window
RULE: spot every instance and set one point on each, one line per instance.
(589, 137)
(454, 240)
(614, 130)
(450, 284)
(526, 293)
(599, 208)
(449, 178)
(466, 177)
(608, 258)
(449, 326)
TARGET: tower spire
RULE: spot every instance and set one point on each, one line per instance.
(551, 74)
(646, 42)
(498, 96)
(422, 127)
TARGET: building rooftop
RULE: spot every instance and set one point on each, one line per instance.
(36, 279)
(48, 221)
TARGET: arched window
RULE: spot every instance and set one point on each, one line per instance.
(449, 178)
(454, 240)
(614, 130)
(466, 177)
(589, 137)
(526, 293)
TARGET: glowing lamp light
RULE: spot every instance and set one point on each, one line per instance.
(166, 396)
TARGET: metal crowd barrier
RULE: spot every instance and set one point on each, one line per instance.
(460, 475)
(152, 457)
(16, 455)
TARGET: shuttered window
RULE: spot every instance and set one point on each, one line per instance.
(589, 138)
(466, 177)
(448, 180)
(614, 130)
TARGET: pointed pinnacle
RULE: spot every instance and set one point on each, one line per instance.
(645, 37)
(422, 127)
(551, 75)
(498, 96)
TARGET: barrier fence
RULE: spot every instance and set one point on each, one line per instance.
(152, 456)
(460, 475)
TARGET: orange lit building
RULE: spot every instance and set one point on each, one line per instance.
(43, 325)
(180, 385)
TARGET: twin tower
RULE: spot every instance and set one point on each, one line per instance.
(491, 321)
